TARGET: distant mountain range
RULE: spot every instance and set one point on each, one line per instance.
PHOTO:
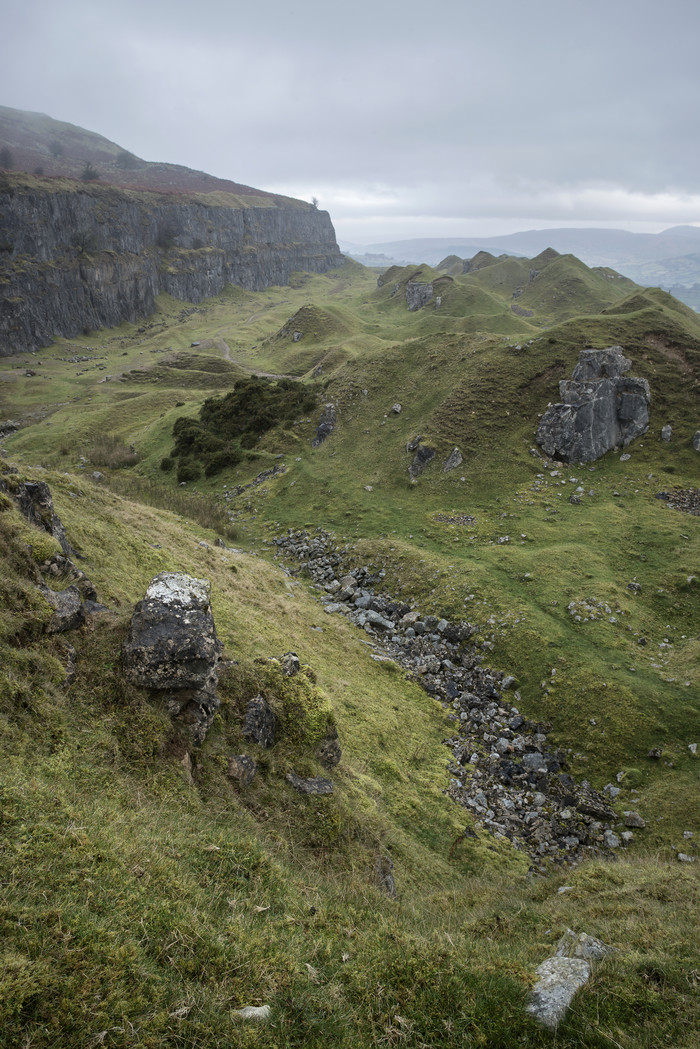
(670, 259)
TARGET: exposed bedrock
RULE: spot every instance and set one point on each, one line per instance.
(601, 409)
(90, 257)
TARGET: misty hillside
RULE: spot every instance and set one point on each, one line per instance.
(38, 144)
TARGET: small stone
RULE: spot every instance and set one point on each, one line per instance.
(611, 840)
(666, 432)
(242, 769)
(311, 785)
(633, 819)
(254, 1012)
(684, 858)
(693, 748)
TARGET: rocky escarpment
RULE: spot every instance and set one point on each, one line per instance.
(79, 256)
(601, 409)
(503, 769)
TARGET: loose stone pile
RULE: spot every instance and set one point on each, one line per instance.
(502, 768)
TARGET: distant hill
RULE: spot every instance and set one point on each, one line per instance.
(670, 259)
(40, 145)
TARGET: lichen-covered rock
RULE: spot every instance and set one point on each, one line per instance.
(418, 293)
(328, 751)
(453, 460)
(35, 502)
(561, 976)
(600, 409)
(172, 649)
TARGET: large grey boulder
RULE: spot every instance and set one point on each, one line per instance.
(172, 649)
(601, 409)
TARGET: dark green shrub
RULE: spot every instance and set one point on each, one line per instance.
(167, 463)
(188, 471)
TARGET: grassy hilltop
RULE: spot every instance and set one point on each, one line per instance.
(144, 900)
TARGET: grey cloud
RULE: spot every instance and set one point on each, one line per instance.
(460, 112)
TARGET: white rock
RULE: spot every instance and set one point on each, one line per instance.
(254, 1012)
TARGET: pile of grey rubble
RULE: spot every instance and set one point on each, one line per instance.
(502, 768)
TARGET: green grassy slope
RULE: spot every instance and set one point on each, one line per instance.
(142, 904)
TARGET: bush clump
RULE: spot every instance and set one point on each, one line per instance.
(226, 425)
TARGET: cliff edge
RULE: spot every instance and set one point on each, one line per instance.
(77, 256)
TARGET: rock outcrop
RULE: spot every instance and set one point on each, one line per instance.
(601, 409)
(326, 425)
(84, 256)
(172, 649)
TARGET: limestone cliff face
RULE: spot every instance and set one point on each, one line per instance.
(76, 257)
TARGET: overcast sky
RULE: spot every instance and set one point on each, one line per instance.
(404, 118)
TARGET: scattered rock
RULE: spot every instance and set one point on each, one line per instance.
(34, 501)
(424, 455)
(501, 770)
(396, 408)
(666, 433)
(326, 425)
(696, 440)
(453, 460)
(633, 819)
(328, 751)
(383, 870)
(253, 1012)
(290, 664)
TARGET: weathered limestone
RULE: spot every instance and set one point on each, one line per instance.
(561, 976)
(601, 409)
(172, 649)
(418, 293)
